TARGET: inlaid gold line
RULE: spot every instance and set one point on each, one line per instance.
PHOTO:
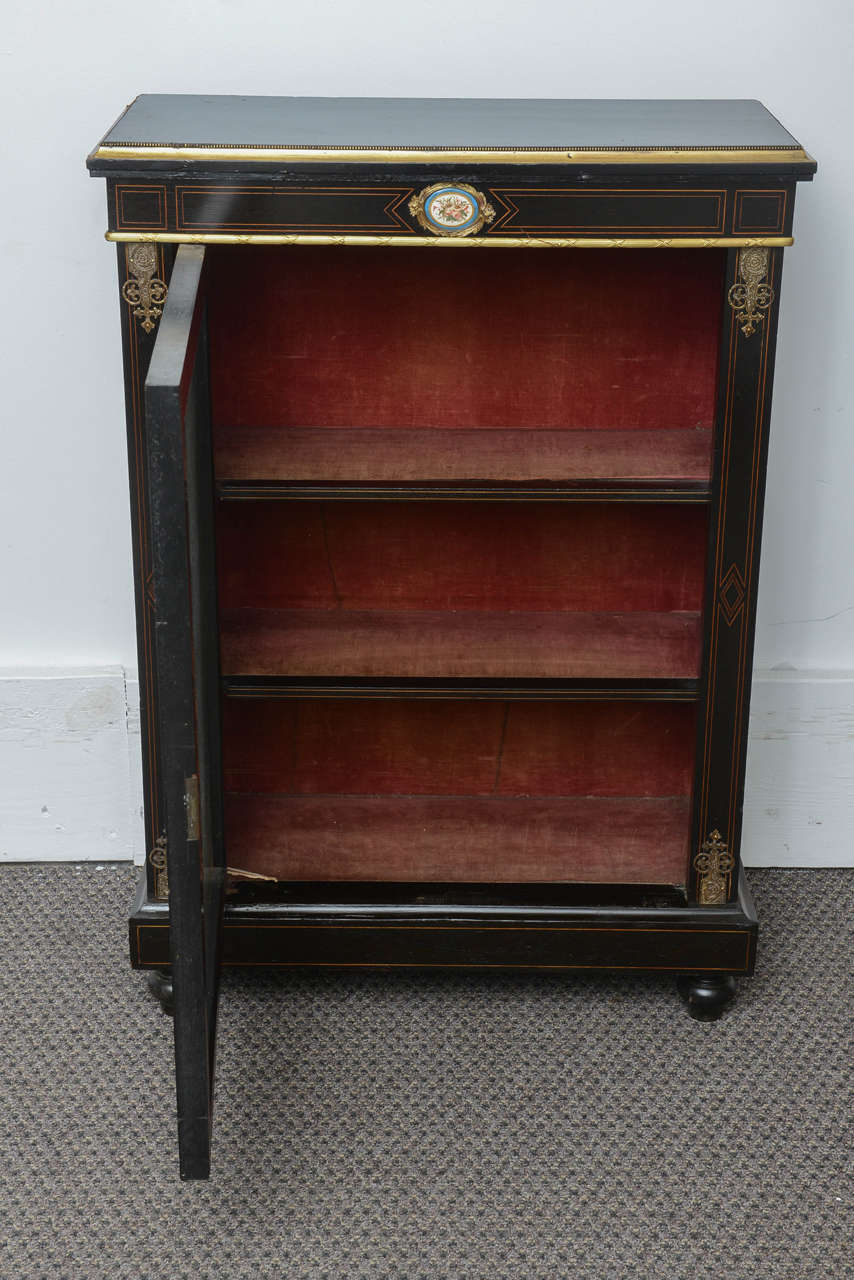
(471, 242)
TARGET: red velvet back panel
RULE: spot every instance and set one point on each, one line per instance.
(362, 337)
(458, 748)
(458, 790)
(446, 839)
(426, 555)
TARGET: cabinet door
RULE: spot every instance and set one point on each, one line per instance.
(188, 732)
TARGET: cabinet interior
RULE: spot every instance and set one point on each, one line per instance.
(452, 589)
(454, 339)
(457, 466)
(464, 790)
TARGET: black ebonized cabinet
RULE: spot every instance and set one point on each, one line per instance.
(445, 561)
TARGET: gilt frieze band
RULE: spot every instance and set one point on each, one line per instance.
(448, 210)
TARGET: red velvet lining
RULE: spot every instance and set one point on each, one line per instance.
(458, 747)
(361, 337)
(458, 790)
(460, 556)
(425, 838)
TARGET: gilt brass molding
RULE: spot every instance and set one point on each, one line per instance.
(713, 862)
(143, 291)
(471, 155)
(481, 242)
(751, 294)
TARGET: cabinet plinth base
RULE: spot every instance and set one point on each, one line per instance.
(706, 995)
(415, 930)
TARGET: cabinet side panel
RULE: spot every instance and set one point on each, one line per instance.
(137, 346)
(744, 409)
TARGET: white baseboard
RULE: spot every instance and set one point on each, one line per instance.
(71, 778)
(800, 770)
(70, 773)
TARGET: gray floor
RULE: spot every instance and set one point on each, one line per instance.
(435, 1127)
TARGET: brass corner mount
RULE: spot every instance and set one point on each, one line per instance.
(713, 864)
(142, 290)
(751, 295)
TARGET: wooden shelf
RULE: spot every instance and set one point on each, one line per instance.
(475, 644)
(254, 462)
(256, 688)
(459, 838)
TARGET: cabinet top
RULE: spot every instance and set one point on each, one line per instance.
(215, 130)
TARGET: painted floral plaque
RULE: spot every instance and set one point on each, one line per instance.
(448, 210)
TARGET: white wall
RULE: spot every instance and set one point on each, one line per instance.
(67, 70)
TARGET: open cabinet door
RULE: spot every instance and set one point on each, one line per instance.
(188, 731)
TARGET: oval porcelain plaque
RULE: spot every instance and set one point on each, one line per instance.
(451, 209)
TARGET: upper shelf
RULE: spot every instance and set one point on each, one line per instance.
(253, 462)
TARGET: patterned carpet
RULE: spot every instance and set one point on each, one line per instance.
(426, 1128)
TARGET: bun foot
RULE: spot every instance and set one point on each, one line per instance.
(706, 997)
(159, 983)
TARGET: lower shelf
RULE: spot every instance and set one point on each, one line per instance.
(459, 838)
(471, 643)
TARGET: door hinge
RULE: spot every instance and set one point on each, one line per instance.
(191, 804)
